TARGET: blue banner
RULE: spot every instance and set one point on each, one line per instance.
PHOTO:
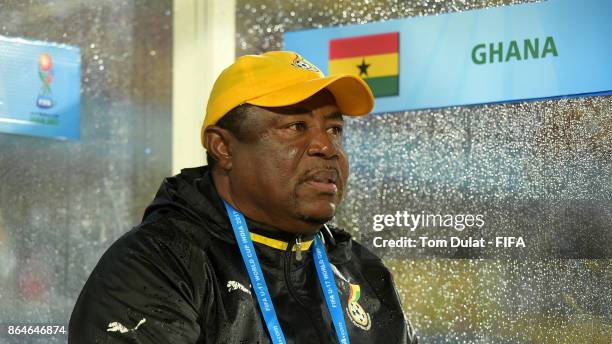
(555, 48)
(40, 86)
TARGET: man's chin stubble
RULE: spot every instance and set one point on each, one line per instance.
(308, 218)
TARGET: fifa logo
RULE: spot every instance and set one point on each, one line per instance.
(45, 73)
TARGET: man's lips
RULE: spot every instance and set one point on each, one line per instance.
(329, 188)
(323, 180)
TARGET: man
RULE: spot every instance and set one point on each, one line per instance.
(239, 251)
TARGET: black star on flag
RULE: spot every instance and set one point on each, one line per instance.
(363, 67)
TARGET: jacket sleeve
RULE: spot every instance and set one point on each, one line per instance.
(139, 292)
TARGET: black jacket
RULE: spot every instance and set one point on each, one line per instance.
(179, 278)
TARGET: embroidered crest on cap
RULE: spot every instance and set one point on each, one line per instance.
(359, 317)
(299, 62)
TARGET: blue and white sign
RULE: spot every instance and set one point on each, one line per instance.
(40, 86)
(555, 48)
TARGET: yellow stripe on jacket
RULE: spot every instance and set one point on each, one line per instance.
(278, 244)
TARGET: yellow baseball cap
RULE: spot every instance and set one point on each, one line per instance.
(281, 78)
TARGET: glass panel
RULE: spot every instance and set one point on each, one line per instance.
(62, 203)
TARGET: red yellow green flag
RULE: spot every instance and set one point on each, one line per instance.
(374, 58)
(354, 292)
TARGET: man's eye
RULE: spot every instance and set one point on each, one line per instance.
(337, 130)
(297, 126)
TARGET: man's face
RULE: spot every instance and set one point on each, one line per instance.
(290, 166)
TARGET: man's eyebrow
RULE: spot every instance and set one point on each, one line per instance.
(335, 115)
(307, 112)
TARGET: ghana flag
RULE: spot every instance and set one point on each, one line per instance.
(374, 58)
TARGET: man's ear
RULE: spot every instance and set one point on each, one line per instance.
(217, 143)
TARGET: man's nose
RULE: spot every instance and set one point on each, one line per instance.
(322, 144)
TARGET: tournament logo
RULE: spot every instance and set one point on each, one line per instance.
(303, 64)
(45, 73)
(359, 317)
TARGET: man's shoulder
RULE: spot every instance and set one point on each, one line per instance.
(148, 271)
(168, 231)
(166, 240)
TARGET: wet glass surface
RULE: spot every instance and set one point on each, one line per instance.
(63, 203)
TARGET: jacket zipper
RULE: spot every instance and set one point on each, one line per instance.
(287, 272)
(298, 248)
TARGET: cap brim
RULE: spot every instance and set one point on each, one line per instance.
(352, 94)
